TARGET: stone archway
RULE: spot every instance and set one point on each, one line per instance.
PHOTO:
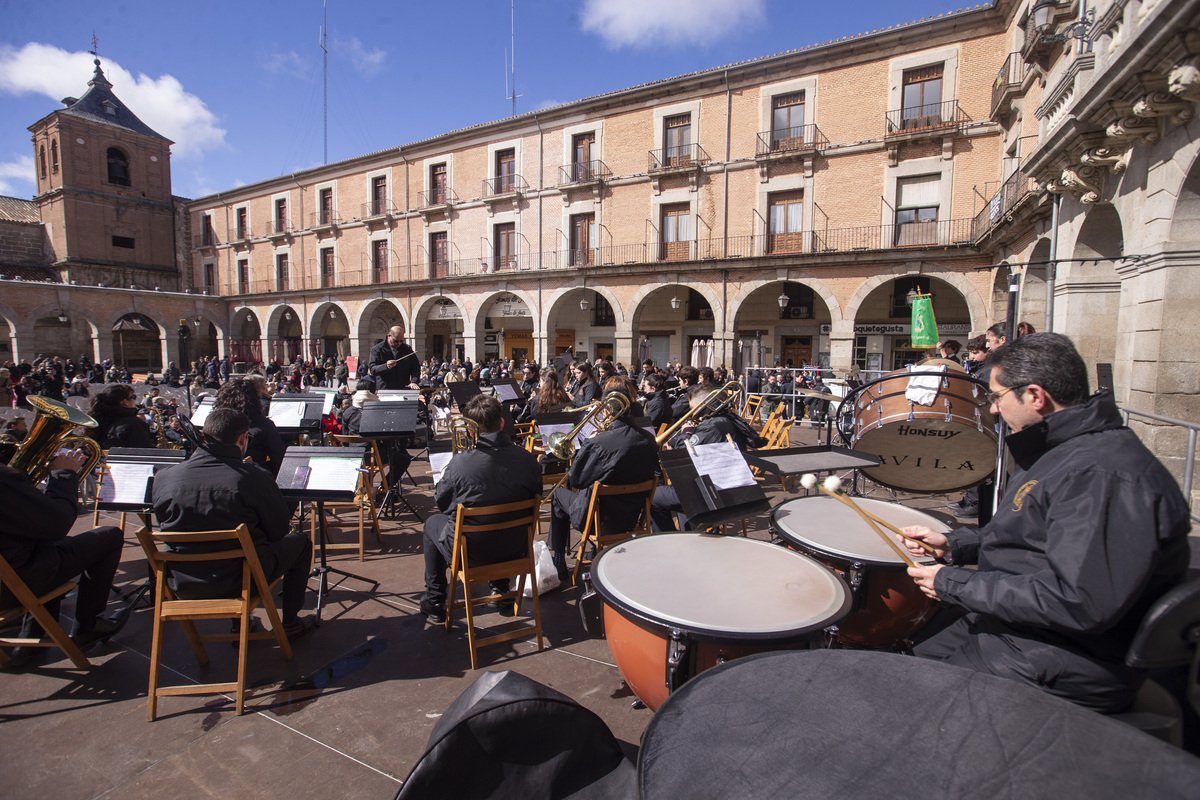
(764, 332)
(374, 320)
(245, 341)
(883, 319)
(137, 342)
(1088, 289)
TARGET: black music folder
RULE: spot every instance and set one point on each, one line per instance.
(387, 419)
(703, 503)
(321, 473)
(463, 391)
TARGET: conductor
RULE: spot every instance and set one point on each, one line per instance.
(394, 364)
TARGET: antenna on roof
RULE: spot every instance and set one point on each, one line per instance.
(95, 49)
(325, 73)
(512, 69)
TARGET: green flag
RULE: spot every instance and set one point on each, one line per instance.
(924, 326)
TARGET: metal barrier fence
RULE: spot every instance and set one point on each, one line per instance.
(1190, 453)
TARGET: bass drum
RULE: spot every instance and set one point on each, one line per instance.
(887, 606)
(676, 604)
(943, 441)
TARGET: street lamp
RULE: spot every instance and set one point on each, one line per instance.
(783, 299)
(62, 317)
(675, 303)
(583, 302)
(912, 295)
(1043, 22)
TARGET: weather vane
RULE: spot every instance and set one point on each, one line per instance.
(95, 49)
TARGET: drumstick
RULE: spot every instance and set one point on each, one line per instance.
(928, 548)
(867, 519)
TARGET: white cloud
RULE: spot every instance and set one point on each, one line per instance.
(367, 62)
(162, 103)
(17, 173)
(289, 63)
(638, 23)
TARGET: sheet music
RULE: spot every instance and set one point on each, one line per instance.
(287, 414)
(546, 430)
(585, 433)
(202, 411)
(723, 463)
(125, 483)
(507, 391)
(437, 464)
(333, 474)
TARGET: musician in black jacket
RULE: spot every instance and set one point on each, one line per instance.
(708, 431)
(658, 405)
(34, 540)
(495, 472)
(116, 411)
(621, 455)
(688, 377)
(393, 364)
(215, 490)
(265, 447)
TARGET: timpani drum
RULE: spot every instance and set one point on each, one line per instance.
(946, 445)
(676, 604)
(888, 607)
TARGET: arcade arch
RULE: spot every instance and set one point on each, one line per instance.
(777, 321)
(883, 319)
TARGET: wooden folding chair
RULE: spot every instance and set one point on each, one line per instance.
(168, 608)
(36, 606)
(749, 410)
(363, 504)
(591, 526)
(462, 570)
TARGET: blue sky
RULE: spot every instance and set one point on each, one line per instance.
(237, 85)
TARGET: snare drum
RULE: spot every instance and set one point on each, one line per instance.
(947, 445)
(888, 606)
(676, 604)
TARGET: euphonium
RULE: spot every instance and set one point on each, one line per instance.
(608, 408)
(51, 432)
(464, 434)
(716, 403)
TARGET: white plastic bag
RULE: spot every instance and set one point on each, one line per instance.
(547, 575)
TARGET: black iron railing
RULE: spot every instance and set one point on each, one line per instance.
(582, 172)
(681, 156)
(927, 117)
(1008, 80)
(788, 140)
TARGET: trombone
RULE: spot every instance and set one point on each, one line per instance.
(716, 403)
(464, 434)
(602, 415)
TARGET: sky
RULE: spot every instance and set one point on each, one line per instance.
(238, 85)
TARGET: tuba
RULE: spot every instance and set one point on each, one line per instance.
(51, 432)
(464, 434)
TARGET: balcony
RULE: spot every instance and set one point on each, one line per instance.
(206, 240)
(278, 229)
(1011, 193)
(929, 119)
(582, 173)
(435, 201)
(324, 222)
(376, 213)
(784, 142)
(1007, 85)
(678, 159)
(241, 237)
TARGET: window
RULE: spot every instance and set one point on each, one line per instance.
(787, 121)
(327, 268)
(54, 156)
(602, 313)
(243, 276)
(326, 206)
(281, 272)
(900, 289)
(118, 167)
(239, 224)
(921, 101)
(677, 135)
(583, 240)
(506, 171)
(438, 184)
(207, 237)
(582, 168)
(917, 210)
(439, 255)
(379, 260)
(785, 231)
(123, 241)
(860, 352)
(210, 277)
(379, 195)
(676, 232)
(42, 160)
(281, 215)
(505, 245)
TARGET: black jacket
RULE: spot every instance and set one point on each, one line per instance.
(716, 428)
(215, 490)
(31, 519)
(266, 447)
(1091, 531)
(658, 409)
(586, 393)
(622, 455)
(495, 472)
(124, 429)
(406, 371)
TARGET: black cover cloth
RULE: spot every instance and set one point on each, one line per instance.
(507, 736)
(861, 724)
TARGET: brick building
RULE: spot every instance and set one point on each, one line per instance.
(783, 208)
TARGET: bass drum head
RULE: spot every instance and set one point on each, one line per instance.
(719, 588)
(929, 456)
(823, 525)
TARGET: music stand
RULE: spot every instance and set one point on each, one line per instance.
(507, 391)
(463, 391)
(292, 421)
(704, 504)
(396, 423)
(298, 479)
(202, 411)
(131, 473)
(787, 461)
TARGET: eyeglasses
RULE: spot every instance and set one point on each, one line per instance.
(994, 397)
